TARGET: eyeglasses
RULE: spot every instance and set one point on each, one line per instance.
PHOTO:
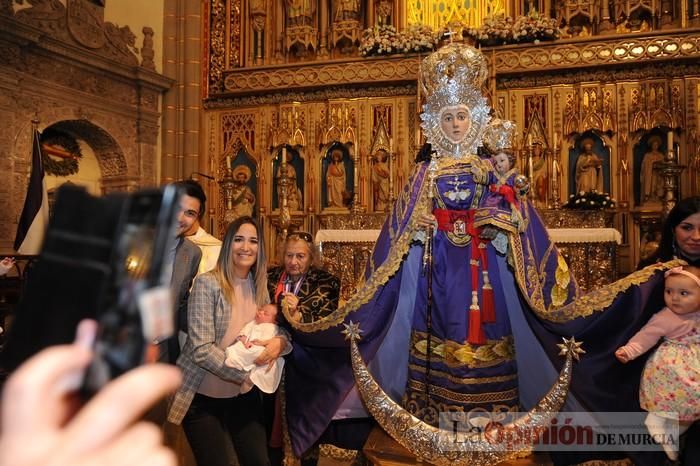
(302, 235)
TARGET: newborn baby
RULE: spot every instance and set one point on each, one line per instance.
(247, 348)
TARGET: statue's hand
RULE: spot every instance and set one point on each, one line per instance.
(488, 232)
(427, 220)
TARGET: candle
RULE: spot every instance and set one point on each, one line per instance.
(356, 174)
(529, 139)
(284, 155)
(391, 168)
(669, 145)
(310, 181)
(556, 136)
(228, 161)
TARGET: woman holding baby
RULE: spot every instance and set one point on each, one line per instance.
(217, 405)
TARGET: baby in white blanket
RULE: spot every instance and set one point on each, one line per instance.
(242, 354)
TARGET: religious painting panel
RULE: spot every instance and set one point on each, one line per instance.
(589, 162)
(294, 173)
(338, 170)
(241, 200)
(648, 153)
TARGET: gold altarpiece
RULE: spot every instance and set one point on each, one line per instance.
(620, 80)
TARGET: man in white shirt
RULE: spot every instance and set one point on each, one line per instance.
(209, 245)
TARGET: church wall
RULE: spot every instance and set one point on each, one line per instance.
(68, 69)
(138, 14)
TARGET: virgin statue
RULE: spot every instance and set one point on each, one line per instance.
(465, 297)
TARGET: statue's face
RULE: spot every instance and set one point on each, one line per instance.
(337, 156)
(501, 162)
(455, 123)
(655, 144)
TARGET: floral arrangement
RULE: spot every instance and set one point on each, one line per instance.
(591, 200)
(495, 30)
(500, 29)
(386, 40)
(535, 27)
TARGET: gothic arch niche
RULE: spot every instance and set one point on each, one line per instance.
(239, 191)
(337, 167)
(295, 173)
(109, 154)
(590, 160)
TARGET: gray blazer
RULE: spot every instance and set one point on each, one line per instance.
(185, 266)
(208, 315)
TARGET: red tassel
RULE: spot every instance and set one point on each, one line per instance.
(487, 305)
(488, 310)
(476, 333)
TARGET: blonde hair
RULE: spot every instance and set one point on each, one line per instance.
(224, 270)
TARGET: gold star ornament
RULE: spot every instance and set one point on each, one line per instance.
(352, 331)
(572, 347)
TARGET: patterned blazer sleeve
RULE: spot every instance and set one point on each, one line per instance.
(203, 316)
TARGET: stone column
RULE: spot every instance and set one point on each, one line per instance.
(323, 15)
(182, 103)
(605, 24)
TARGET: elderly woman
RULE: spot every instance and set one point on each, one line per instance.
(307, 296)
(305, 293)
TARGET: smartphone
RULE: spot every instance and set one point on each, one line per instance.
(105, 258)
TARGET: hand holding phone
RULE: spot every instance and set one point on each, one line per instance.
(101, 258)
(39, 425)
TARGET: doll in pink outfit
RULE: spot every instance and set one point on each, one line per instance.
(671, 380)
